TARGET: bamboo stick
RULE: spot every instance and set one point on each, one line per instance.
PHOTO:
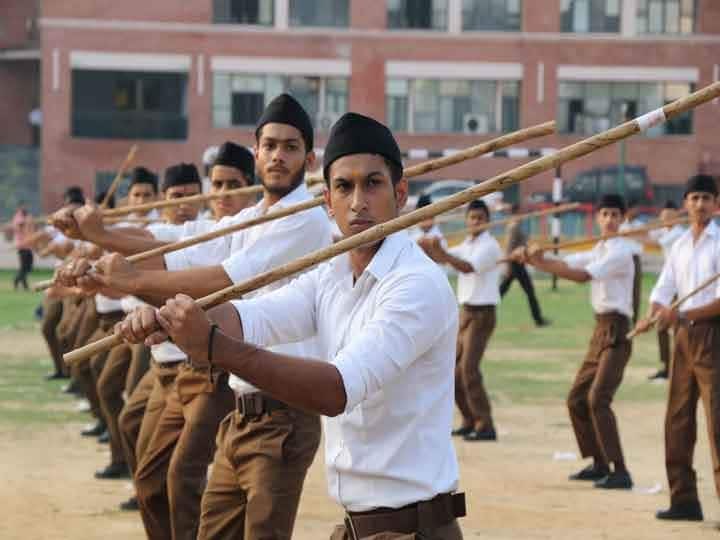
(181, 200)
(119, 176)
(520, 217)
(380, 231)
(677, 303)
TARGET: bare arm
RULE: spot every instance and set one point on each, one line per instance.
(560, 269)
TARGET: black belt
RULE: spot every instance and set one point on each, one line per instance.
(422, 517)
(257, 404)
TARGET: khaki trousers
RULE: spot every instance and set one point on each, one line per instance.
(73, 308)
(257, 476)
(52, 315)
(664, 347)
(131, 418)
(139, 366)
(451, 531)
(110, 386)
(597, 380)
(172, 472)
(477, 324)
(637, 286)
(694, 374)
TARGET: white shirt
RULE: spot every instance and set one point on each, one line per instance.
(481, 287)
(416, 233)
(635, 246)
(611, 267)
(167, 232)
(666, 237)
(688, 265)
(251, 251)
(105, 304)
(391, 335)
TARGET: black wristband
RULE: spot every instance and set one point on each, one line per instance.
(213, 329)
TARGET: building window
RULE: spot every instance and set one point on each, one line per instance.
(586, 108)
(258, 12)
(239, 98)
(129, 105)
(590, 15)
(498, 15)
(666, 16)
(417, 14)
(320, 13)
(454, 106)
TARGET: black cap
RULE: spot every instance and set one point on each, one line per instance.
(180, 175)
(239, 157)
(74, 195)
(670, 205)
(357, 134)
(141, 175)
(423, 200)
(285, 109)
(701, 182)
(612, 200)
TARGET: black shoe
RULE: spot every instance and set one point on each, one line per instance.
(591, 472)
(113, 471)
(543, 322)
(94, 431)
(461, 432)
(688, 511)
(661, 374)
(71, 388)
(56, 376)
(104, 437)
(615, 480)
(131, 505)
(484, 435)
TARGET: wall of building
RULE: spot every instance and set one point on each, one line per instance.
(368, 47)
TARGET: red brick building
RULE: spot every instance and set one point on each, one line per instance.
(178, 76)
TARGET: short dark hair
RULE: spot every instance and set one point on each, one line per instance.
(100, 197)
(612, 200)
(478, 204)
(74, 195)
(396, 173)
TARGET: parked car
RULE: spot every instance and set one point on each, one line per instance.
(589, 186)
(444, 188)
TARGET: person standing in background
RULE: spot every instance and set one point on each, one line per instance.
(517, 238)
(22, 230)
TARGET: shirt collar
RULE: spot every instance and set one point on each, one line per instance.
(297, 195)
(382, 262)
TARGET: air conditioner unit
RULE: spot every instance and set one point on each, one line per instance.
(476, 123)
(324, 121)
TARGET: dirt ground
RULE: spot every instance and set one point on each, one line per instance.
(516, 488)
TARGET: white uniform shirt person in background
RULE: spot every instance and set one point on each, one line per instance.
(665, 238)
(476, 260)
(386, 321)
(695, 366)
(610, 270)
(427, 228)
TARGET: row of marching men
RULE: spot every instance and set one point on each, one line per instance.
(237, 387)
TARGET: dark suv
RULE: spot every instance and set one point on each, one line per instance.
(589, 186)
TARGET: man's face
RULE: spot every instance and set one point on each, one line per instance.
(668, 213)
(141, 194)
(700, 206)
(280, 158)
(177, 215)
(222, 179)
(427, 224)
(609, 220)
(361, 193)
(474, 218)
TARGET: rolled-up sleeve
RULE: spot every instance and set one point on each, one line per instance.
(400, 330)
(286, 315)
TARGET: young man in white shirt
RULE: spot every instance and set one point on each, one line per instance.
(665, 238)
(695, 366)
(385, 319)
(476, 260)
(284, 151)
(609, 268)
(427, 228)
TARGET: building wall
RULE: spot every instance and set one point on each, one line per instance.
(19, 84)
(368, 46)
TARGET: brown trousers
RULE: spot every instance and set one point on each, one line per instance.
(477, 324)
(597, 380)
(73, 308)
(637, 286)
(139, 366)
(172, 472)
(257, 476)
(694, 374)
(451, 531)
(131, 418)
(664, 347)
(110, 386)
(52, 315)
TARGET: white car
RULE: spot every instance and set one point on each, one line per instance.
(444, 188)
